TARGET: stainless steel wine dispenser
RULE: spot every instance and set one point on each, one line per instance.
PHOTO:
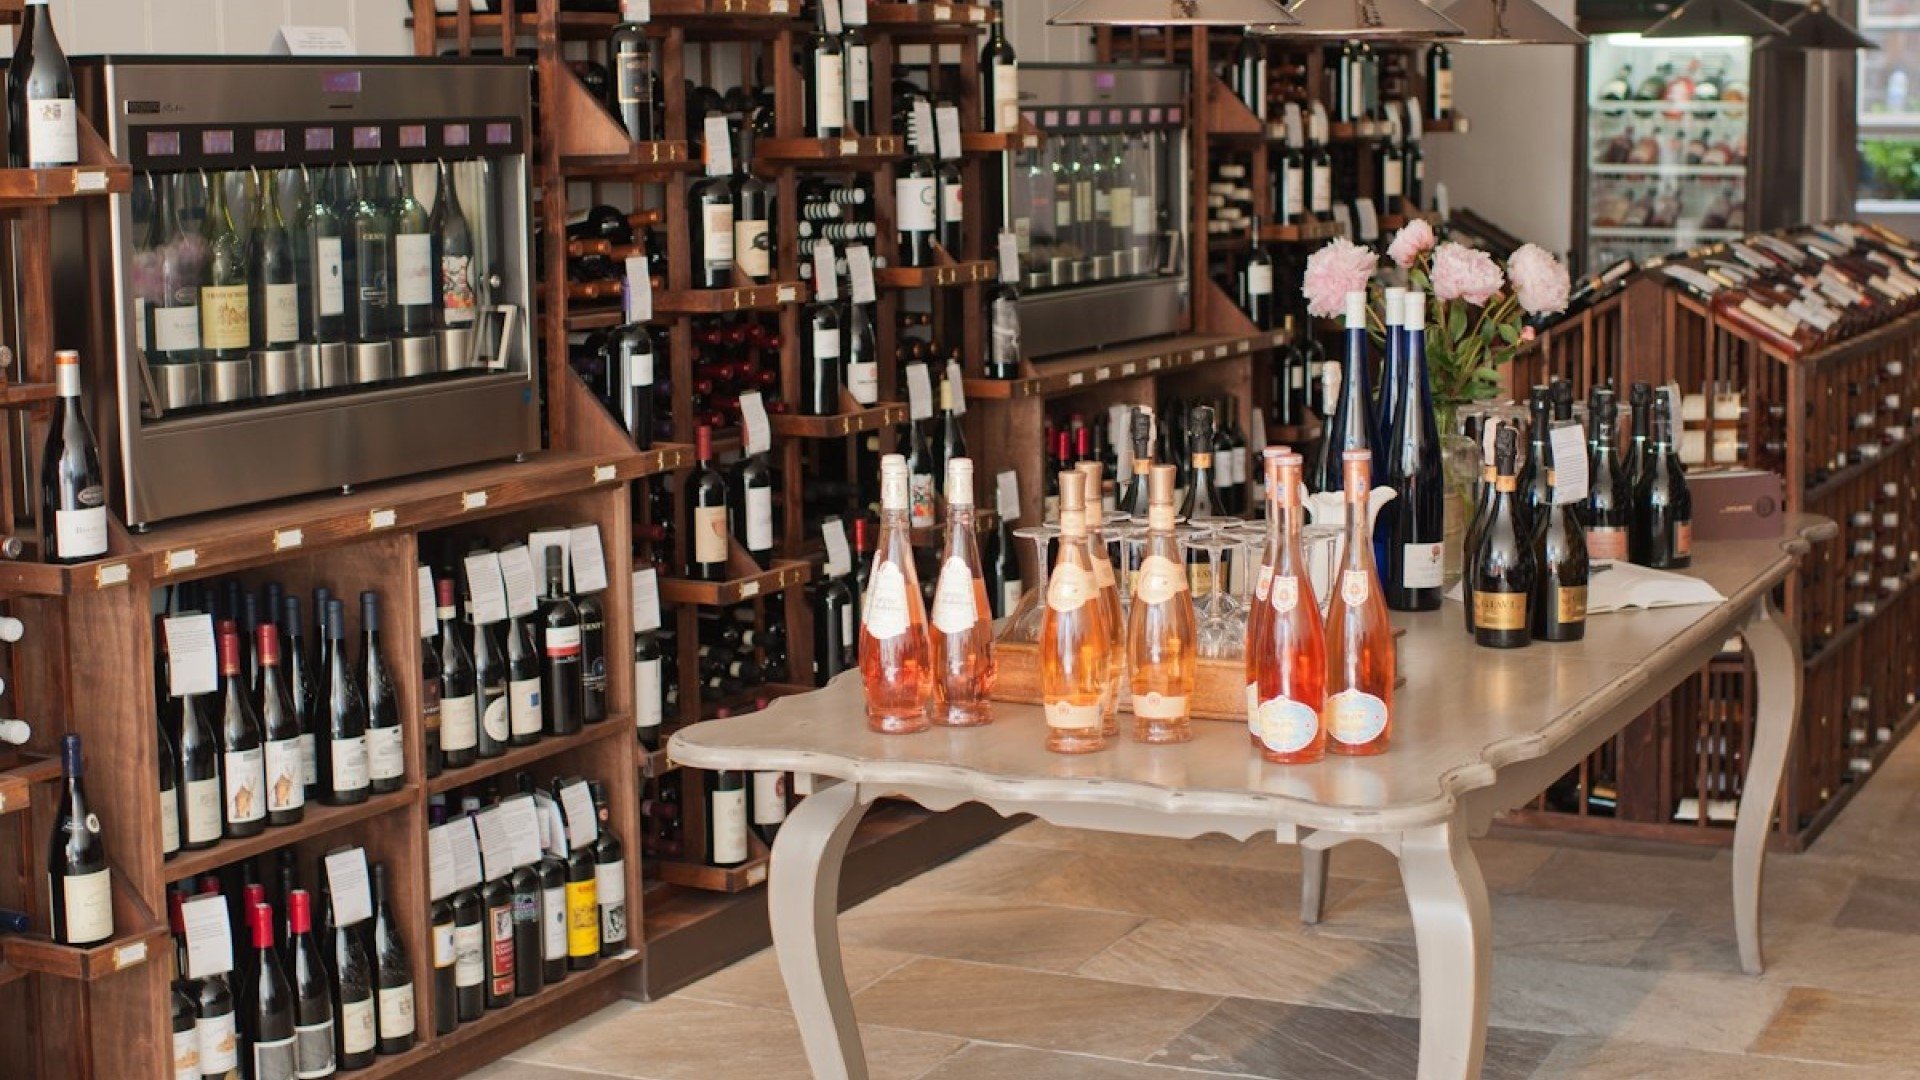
(185, 433)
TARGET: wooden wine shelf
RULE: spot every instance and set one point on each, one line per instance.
(753, 700)
(17, 394)
(318, 820)
(642, 158)
(519, 757)
(1395, 221)
(849, 152)
(16, 783)
(923, 14)
(1124, 362)
(791, 425)
(724, 879)
(37, 955)
(771, 297)
(1300, 232)
(37, 187)
(783, 575)
(951, 275)
(993, 142)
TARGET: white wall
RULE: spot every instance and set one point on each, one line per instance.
(222, 26)
(1037, 42)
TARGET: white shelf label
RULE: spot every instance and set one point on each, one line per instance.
(191, 665)
(347, 885)
(209, 936)
(589, 559)
(486, 588)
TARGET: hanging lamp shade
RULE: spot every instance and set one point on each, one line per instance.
(1714, 18)
(1817, 28)
(1365, 20)
(1510, 22)
(1172, 13)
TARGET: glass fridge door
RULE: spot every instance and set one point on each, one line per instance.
(1889, 110)
(1666, 144)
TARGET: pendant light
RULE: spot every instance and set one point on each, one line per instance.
(1510, 22)
(1365, 20)
(1817, 28)
(1714, 18)
(1235, 13)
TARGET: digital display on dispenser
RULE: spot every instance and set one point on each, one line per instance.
(499, 134)
(216, 142)
(366, 138)
(341, 82)
(163, 143)
(269, 140)
(413, 136)
(457, 135)
(319, 138)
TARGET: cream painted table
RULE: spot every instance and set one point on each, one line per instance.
(1477, 731)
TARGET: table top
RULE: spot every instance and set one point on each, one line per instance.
(1463, 713)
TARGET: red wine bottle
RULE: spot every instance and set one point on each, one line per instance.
(242, 754)
(491, 675)
(394, 972)
(707, 511)
(446, 1013)
(752, 512)
(214, 1024)
(459, 708)
(270, 1021)
(469, 954)
(169, 795)
(561, 688)
(79, 881)
(356, 1030)
(43, 122)
(553, 917)
(386, 741)
(593, 658)
(609, 877)
(496, 903)
(342, 752)
(312, 999)
(524, 719)
(303, 686)
(286, 789)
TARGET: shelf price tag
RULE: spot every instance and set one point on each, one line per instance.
(465, 846)
(757, 430)
(583, 827)
(826, 283)
(589, 559)
(539, 541)
(719, 145)
(486, 588)
(946, 126)
(1009, 258)
(516, 573)
(209, 936)
(1569, 443)
(830, 13)
(638, 293)
(1292, 123)
(921, 127)
(190, 654)
(919, 392)
(1369, 220)
(496, 848)
(853, 12)
(522, 824)
(427, 602)
(956, 389)
(440, 872)
(646, 599)
(839, 554)
(1414, 123)
(1006, 494)
(347, 885)
(1440, 203)
(860, 269)
(636, 11)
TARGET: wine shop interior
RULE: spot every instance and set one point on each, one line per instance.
(960, 539)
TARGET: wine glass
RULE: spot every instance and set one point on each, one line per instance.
(1024, 623)
(1219, 631)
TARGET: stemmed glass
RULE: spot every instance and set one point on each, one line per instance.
(1220, 630)
(1024, 623)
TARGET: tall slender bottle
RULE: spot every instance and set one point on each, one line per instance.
(894, 657)
(357, 1025)
(561, 687)
(414, 273)
(226, 325)
(270, 1016)
(173, 322)
(1135, 496)
(394, 971)
(1640, 413)
(960, 637)
(386, 740)
(459, 709)
(312, 1001)
(43, 122)
(1532, 479)
(324, 263)
(707, 501)
(342, 754)
(1558, 609)
(630, 59)
(999, 78)
(454, 284)
(1286, 653)
(1415, 524)
(1352, 426)
(79, 882)
(1360, 666)
(286, 789)
(274, 302)
(1076, 645)
(827, 81)
(1109, 598)
(609, 877)
(1608, 510)
(73, 493)
(1502, 567)
(525, 718)
(370, 259)
(1161, 637)
(1393, 369)
(1662, 532)
(242, 754)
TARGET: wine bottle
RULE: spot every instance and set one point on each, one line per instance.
(469, 954)
(1352, 426)
(1076, 644)
(342, 752)
(953, 436)
(173, 321)
(1004, 584)
(496, 905)
(459, 708)
(707, 529)
(1161, 638)
(1202, 502)
(821, 361)
(752, 217)
(561, 689)
(826, 77)
(1557, 610)
(1286, 650)
(43, 121)
(1661, 535)
(169, 794)
(286, 793)
(960, 637)
(1107, 585)
(999, 78)
(1256, 282)
(916, 198)
(242, 756)
(922, 484)
(1249, 74)
(1608, 510)
(386, 741)
(1415, 524)
(523, 885)
(1319, 176)
(710, 213)
(952, 192)
(274, 299)
(593, 657)
(312, 1001)
(649, 702)
(1532, 478)
(394, 970)
(609, 877)
(1439, 88)
(73, 493)
(630, 382)
(752, 513)
(303, 688)
(630, 57)
(1360, 666)
(454, 286)
(369, 259)
(356, 1027)
(1003, 324)
(1134, 497)
(727, 818)
(440, 921)
(215, 1023)
(79, 881)
(1393, 368)
(322, 262)
(270, 1014)
(863, 365)
(894, 658)
(491, 677)
(583, 907)
(1640, 413)
(181, 994)
(225, 317)
(1502, 566)
(199, 775)
(525, 718)
(414, 272)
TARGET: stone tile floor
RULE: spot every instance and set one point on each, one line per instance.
(1060, 955)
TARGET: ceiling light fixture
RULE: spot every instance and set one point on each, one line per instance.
(1236, 13)
(1510, 22)
(1365, 20)
(1714, 18)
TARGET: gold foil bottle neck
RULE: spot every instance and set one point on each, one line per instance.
(1073, 491)
(1094, 493)
(1160, 485)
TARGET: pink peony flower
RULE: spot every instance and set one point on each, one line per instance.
(1461, 273)
(1539, 281)
(1334, 271)
(1414, 239)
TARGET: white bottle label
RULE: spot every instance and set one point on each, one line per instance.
(186, 1055)
(769, 798)
(396, 1011)
(283, 314)
(1296, 191)
(752, 249)
(444, 953)
(1154, 705)
(1260, 279)
(729, 810)
(89, 904)
(717, 230)
(849, 633)
(349, 758)
(523, 706)
(1069, 587)
(1143, 216)
(1122, 208)
(916, 203)
(413, 265)
(646, 694)
(1065, 714)
(246, 785)
(169, 821)
(357, 1031)
(1423, 564)
(553, 923)
(710, 534)
(80, 534)
(286, 787)
(1160, 580)
(1223, 470)
(829, 90)
(1390, 182)
(1009, 596)
(921, 488)
(1322, 189)
(610, 890)
(863, 381)
(496, 718)
(1006, 98)
(219, 1044)
(760, 519)
(1285, 726)
(826, 344)
(309, 762)
(955, 606)
(457, 300)
(386, 753)
(859, 82)
(886, 613)
(176, 329)
(274, 1060)
(1355, 717)
(953, 203)
(328, 277)
(53, 132)
(202, 817)
(314, 1044)
(1443, 89)
(468, 944)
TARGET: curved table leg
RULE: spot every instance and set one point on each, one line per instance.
(1776, 666)
(1313, 884)
(803, 903)
(1448, 898)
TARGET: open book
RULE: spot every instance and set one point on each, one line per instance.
(1617, 586)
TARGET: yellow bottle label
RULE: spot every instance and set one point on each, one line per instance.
(583, 918)
(1500, 610)
(1571, 604)
(224, 319)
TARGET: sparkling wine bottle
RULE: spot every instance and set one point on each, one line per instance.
(1662, 531)
(1286, 652)
(1558, 608)
(1101, 559)
(961, 634)
(1360, 666)
(894, 659)
(1608, 510)
(1076, 645)
(1502, 566)
(1161, 638)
